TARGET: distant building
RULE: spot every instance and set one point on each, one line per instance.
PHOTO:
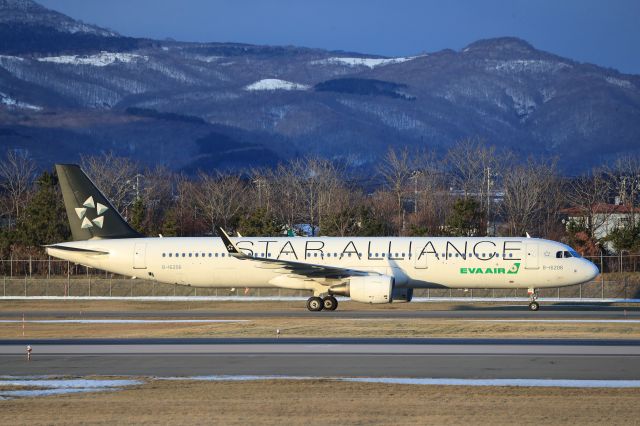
(602, 218)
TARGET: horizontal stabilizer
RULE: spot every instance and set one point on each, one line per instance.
(76, 249)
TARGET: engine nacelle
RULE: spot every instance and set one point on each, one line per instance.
(400, 295)
(367, 289)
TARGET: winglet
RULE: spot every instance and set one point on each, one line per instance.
(231, 248)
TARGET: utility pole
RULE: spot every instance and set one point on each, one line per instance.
(488, 198)
(414, 176)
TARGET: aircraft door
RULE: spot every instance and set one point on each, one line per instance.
(532, 260)
(420, 261)
(140, 256)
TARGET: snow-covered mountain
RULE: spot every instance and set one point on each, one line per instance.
(204, 105)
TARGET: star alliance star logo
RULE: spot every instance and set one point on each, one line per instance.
(82, 214)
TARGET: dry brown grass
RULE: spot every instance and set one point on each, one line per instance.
(322, 402)
(326, 327)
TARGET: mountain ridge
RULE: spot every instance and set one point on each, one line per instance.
(283, 101)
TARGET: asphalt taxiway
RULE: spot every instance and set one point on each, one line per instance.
(436, 358)
(564, 311)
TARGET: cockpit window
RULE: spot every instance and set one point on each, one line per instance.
(574, 253)
(559, 255)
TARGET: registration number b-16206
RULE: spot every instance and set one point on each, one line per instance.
(552, 268)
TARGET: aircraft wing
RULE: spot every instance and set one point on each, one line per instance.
(309, 270)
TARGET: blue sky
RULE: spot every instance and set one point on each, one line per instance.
(606, 33)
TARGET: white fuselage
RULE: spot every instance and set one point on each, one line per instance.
(417, 262)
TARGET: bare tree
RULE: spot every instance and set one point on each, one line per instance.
(157, 193)
(220, 197)
(396, 169)
(589, 196)
(476, 170)
(625, 177)
(16, 178)
(527, 188)
(117, 177)
(287, 194)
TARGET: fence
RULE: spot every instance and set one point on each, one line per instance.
(53, 277)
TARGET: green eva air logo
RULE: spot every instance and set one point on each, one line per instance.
(491, 271)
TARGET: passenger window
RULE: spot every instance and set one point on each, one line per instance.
(349, 255)
(196, 254)
(162, 254)
(169, 254)
(222, 254)
(184, 255)
(209, 254)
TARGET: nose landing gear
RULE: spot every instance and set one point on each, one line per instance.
(533, 296)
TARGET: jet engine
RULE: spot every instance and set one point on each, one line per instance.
(367, 289)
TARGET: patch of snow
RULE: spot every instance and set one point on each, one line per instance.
(275, 84)
(527, 65)
(522, 103)
(389, 116)
(563, 383)
(568, 321)
(122, 321)
(101, 59)
(60, 386)
(547, 94)
(68, 383)
(226, 378)
(364, 62)
(207, 59)
(6, 100)
(625, 84)
(11, 58)
(502, 382)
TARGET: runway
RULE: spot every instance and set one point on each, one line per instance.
(434, 358)
(564, 311)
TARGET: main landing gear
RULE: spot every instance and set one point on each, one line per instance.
(533, 296)
(328, 303)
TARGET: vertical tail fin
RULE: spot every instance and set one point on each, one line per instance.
(89, 212)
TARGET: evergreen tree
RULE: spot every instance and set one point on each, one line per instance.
(170, 223)
(258, 222)
(466, 218)
(370, 225)
(138, 212)
(45, 219)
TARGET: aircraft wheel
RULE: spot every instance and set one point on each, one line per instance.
(314, 304)
(534, 306)
(330, 303)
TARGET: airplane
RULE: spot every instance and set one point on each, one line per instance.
(372, 270)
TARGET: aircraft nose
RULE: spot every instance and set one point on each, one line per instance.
(591, 270)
